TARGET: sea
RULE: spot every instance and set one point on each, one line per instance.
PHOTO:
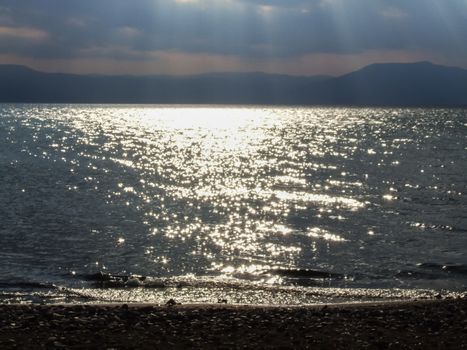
(231, 204)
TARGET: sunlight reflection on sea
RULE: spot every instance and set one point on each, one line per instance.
(234, 192)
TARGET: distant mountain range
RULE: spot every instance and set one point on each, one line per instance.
(393, 84)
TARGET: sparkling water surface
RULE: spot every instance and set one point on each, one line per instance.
(245, 204)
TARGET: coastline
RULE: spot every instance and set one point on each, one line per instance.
(416, 324)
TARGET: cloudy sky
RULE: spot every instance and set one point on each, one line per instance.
(300, 37)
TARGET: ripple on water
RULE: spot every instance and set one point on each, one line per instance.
(168, 191)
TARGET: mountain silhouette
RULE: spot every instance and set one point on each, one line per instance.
(412, 84)
(392, 84)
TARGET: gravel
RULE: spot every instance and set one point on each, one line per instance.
(435, 324)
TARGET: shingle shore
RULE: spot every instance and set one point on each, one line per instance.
(408, 325)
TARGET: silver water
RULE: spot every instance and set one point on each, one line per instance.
(213, 202)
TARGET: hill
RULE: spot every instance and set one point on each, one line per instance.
(414, 84)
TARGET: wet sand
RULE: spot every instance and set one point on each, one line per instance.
(437, 324)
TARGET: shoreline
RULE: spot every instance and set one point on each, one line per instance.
(416, 324)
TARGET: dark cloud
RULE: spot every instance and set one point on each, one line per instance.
(247, 28)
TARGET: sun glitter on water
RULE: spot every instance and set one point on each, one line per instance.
(233, 192)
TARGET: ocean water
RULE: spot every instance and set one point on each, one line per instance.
(238, 204)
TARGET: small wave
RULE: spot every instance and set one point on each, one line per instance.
(111, 281)
(416, 275)
(305, 273)
(434, 227)
(107, 280)
(58, 295)
(448, 268)
(26, 285)
(303, 277)
(256, 295)
(108, 288)
(25, 292)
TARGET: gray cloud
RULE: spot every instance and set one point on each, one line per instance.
(245, 28)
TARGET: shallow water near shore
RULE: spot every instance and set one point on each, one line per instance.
(245, 204)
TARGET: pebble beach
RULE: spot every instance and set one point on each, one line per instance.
(425, 324)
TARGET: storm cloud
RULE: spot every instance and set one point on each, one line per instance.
(253, 33)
